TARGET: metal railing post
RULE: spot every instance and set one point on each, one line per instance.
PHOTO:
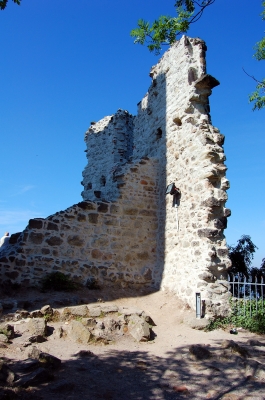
(198, 305)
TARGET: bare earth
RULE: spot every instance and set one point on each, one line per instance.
(162, 368)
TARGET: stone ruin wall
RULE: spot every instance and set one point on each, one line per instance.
(174, 125)
(109, 242)
(127, 231)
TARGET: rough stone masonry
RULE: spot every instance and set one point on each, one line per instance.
(127, 231)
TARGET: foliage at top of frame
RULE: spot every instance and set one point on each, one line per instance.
(3, 3)
(165, 29)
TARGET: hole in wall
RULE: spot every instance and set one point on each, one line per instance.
(192, 75)
(159, 133)
(97, 193)
(89, 186)
(177, 121)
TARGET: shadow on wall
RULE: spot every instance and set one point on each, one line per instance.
(118, 240)
(134, 236)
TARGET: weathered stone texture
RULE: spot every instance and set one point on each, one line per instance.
(108, 244)
(127, 231)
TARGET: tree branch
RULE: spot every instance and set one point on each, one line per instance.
(253, 77)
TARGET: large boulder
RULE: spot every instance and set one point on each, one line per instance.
(94, 311)
(79, 333)
(139, 328)
(37, 327)
(47, 310)
(77, 311)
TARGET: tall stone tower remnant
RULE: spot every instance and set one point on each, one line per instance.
(127, 231)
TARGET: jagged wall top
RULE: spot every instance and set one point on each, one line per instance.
(115, 139)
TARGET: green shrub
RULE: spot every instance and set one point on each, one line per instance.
(3, 331)
(216, 323)
(248, 315)
(58, 281)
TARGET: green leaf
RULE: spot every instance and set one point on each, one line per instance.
(260, 50)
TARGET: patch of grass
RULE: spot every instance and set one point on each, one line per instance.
(58, 281)
(217, 323)
(78, 318)
(249, 315)
(3, 331)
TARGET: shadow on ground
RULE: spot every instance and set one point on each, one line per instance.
(139, 375)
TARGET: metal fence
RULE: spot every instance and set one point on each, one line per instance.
(248, 292)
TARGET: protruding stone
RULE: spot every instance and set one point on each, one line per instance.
(208, 233)
(35, 223)
(206, 81)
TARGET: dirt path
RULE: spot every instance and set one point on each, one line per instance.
(162, 368)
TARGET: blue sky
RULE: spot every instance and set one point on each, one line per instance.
(65, 64)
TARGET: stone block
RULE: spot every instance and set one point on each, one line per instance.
(103, 207)
(12, 274)
(35, 223)
(130, 211)
(208, 233)
(37, 326)
(114, 209)
(54, 241)
(87, 205)
(95, 253)
(139, 328)
(36, 238)
(93, 218)
(211, 202)
(75, 240)
(78, 311)
(94, 311)
(52, 226)
(81, 217)
(143, 255)
(15, 238)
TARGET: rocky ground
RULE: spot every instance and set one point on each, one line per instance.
(118, 344)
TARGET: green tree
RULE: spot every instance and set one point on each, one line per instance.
(165, 30)
(259, 271)
(258, 96)
(3, 3)
(241, 255)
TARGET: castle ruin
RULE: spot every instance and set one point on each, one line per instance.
(127, 231)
